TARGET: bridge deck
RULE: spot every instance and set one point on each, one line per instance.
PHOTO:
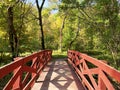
(58, 75)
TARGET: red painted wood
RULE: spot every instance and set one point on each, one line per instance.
(78, 59)
(84, 80)
(17, 83)
(30, 83)
(24, 82)
(13, 80)
(101, 85)
(19, 67)
(106, 68)
(29, 69)
(9, 68)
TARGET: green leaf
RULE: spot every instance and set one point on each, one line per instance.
(0, 5)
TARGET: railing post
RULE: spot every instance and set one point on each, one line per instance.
(18, 81)
(35, 67)
(50, 55)
(101, 84)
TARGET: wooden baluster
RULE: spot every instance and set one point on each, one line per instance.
(18, 82)
(34, 62)
(101, 84)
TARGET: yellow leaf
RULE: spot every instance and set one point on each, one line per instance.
(10, 0)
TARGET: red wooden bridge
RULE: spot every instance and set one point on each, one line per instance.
(79, 72)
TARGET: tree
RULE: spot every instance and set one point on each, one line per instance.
(100, 20)
(12, 33)
(109, 14)
(40, 7)
(13, 39)
(61, 30)
(15, 21)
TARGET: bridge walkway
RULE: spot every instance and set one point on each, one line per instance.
(58, 75)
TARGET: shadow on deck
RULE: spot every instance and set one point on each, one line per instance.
(58, 75)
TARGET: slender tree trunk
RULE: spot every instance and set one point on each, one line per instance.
(41, 29)
(61, 29)
(12, 33)
(40, 22)
(77, 33)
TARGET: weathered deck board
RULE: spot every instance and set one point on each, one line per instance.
(57, 75)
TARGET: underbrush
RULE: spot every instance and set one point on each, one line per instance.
(100, 56)
(57, 54)
(5, 60)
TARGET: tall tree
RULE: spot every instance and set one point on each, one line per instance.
(61, 30)
(13, 39)
(12, 33)
(15, 22)
(40, 7)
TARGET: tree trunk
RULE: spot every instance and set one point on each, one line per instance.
(40, 22)
(61, 29)
(41, 29)
(12, 33)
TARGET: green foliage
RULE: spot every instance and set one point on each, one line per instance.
(57, 54)
(4, 81)
(98, 22)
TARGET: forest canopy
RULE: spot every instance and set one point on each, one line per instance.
(88, 26)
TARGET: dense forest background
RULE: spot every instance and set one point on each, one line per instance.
(88, 26)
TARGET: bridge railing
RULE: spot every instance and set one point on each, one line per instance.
(25, 70)
(94, 74)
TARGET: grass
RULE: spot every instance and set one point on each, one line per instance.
(5, 60)
(58, 54)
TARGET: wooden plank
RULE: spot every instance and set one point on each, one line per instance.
(57, 75)
(29, 69)
(106, 81)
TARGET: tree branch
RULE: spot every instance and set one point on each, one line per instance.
(37, 4)
(42, 4)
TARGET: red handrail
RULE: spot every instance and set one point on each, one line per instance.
(20, 80)
(94, 74)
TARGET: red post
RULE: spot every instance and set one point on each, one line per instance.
(101, 84)
(34, 61)
(18, 81)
